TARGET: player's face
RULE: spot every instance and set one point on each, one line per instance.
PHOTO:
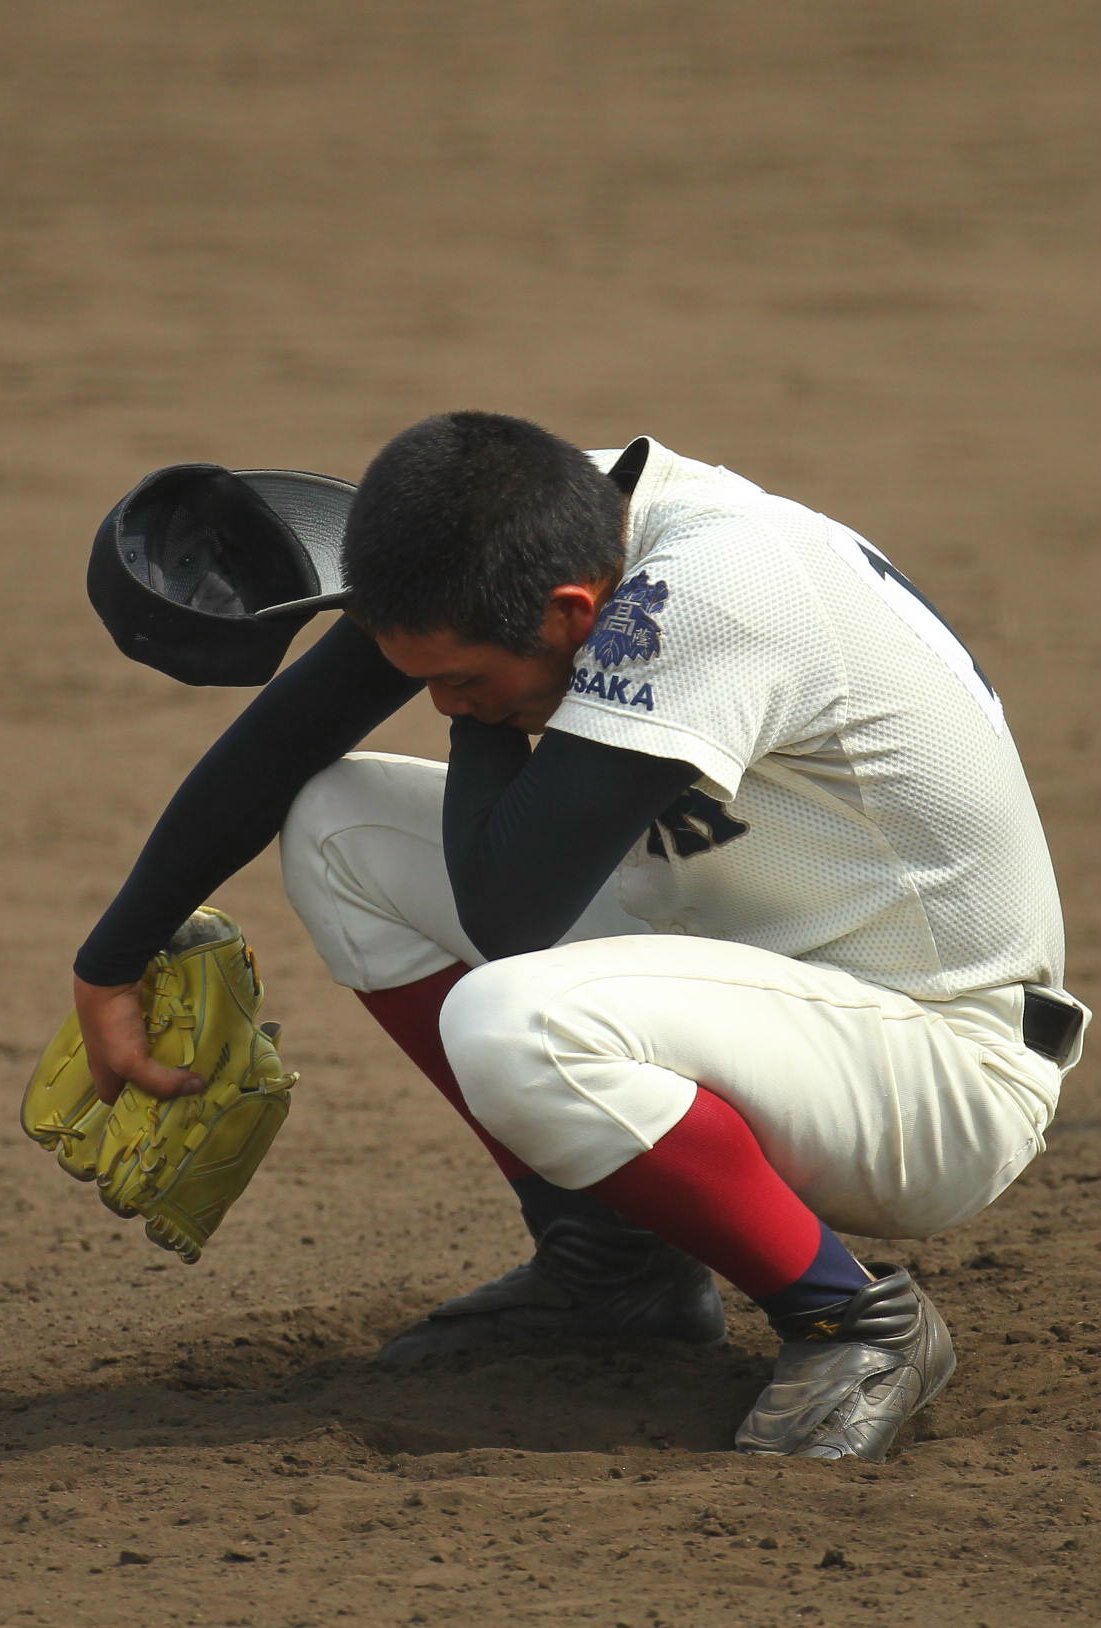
(495, 685)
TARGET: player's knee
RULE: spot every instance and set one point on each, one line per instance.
(356, 793)
(320, 808)
(309, 821)
(492, 1043)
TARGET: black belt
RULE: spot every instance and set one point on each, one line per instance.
(1051, 1026)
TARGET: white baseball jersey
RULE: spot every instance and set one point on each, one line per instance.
(861, 802)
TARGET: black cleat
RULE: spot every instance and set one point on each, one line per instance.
(588, 1279)
(848, 1377)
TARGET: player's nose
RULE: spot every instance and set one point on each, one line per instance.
(445, 700)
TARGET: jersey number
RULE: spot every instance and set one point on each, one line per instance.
(694, 824)
(928, 623)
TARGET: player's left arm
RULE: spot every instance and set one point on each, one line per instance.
(529, 837)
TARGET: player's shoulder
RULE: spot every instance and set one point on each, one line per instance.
(707, 522)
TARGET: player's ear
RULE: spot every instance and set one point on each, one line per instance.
(571, 612)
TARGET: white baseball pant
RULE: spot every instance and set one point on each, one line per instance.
(888, 1116)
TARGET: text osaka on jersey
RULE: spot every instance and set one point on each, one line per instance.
(612, 688)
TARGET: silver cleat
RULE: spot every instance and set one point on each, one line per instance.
(849, 1376)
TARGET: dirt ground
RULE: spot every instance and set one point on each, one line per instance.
(845, 247)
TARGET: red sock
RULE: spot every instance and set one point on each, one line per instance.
(707, 1187)
(410, 1015)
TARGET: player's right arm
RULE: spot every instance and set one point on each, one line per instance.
(226, 812)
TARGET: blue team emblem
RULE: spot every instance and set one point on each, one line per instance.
(626, 630)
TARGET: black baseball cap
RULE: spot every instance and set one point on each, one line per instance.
(208, 573)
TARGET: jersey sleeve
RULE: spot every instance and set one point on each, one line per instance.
(713, 650)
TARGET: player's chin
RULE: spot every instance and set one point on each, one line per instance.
(529, 723)
(534, 715)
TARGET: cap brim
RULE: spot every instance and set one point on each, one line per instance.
(316, 509)
(295, 607)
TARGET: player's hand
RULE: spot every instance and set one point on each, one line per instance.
(115, 1040)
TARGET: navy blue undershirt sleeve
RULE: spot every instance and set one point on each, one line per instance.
(236, 798)
(529, 836)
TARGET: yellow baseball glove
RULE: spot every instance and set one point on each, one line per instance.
(179, 1162)
(60, 1106)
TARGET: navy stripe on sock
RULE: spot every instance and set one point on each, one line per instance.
(834, 1274)
(542, 1202)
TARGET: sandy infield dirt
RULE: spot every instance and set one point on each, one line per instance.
(847, 248)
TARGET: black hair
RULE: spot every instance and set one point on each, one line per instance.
(468, 520)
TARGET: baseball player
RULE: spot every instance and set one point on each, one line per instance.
(759, 944)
